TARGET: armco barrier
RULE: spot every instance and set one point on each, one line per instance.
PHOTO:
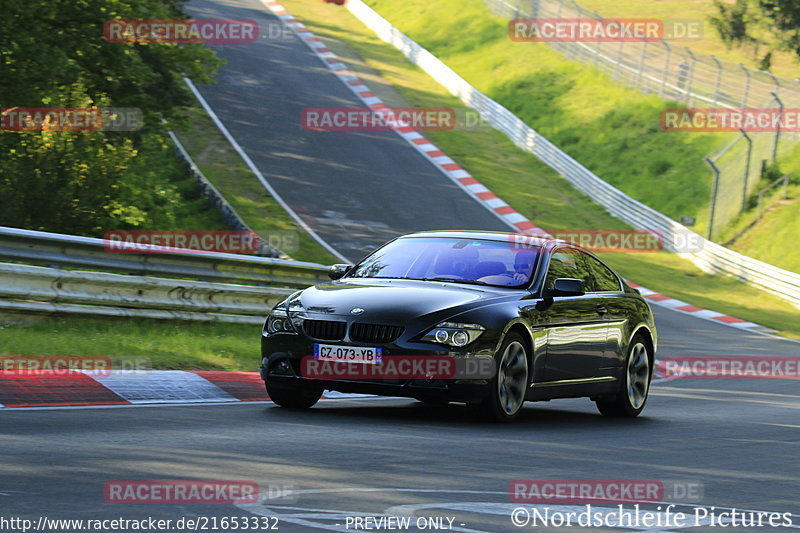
(40, 248)
(710, 256)
(225, 287)
(43, 289)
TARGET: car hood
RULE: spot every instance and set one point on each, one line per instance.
(393, 300)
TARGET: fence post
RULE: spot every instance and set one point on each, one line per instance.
(690, 81)
(778, 131)
(746, 169)
(746, 95)
(619, 59)
(774, 80)
(718, 81)
(665, 72)
(713, 197)
(641, 62)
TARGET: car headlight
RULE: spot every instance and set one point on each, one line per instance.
(454, 334)
(279, 322)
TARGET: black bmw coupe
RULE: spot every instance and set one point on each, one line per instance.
(489, 319)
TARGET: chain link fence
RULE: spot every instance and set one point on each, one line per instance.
(675, 73)
(737, 169)
(672, 71)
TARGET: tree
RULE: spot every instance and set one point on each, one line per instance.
(747, 22)
(53, 54)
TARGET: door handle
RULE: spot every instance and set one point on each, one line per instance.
(601, 309)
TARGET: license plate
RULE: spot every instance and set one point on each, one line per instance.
(347, 354)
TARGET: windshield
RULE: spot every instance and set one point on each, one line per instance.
(472, 261)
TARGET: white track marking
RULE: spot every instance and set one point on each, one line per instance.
(249, 162)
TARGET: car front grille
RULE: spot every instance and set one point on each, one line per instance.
(374, 333)
(328, 330)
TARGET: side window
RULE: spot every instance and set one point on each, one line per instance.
(567, 263)
(604, 278)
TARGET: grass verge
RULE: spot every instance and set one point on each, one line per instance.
(220, 163)
(165, 344)
(611, 129)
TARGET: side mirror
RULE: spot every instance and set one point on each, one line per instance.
(567, 287)
(338, 270)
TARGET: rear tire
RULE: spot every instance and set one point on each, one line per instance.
(508, 387)
(296, 396)
(637, 373)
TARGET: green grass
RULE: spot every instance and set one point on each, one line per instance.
(611, 129)
(522, 180)
(163, 344)
(773, 238)
(220, 163)
(674, 276)
(783, 63)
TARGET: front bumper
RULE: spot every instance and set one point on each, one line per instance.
(282, 356)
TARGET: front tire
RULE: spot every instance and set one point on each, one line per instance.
(632, 396)
(293, 396)
(510, 384)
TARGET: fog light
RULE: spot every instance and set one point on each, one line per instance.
(282, 368)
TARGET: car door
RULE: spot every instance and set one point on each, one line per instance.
(576, 325)
(608, 287)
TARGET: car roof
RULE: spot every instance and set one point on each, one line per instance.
(499, 236)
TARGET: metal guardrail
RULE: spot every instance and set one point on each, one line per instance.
(54, 290)
(40, 248)
(225, 287)
(711, 257)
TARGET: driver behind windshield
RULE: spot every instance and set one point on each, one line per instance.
(523, 266)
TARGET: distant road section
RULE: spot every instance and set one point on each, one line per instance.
(355, 189)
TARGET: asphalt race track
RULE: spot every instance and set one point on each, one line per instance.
(739, 439)
(355, 189)
(373, 457)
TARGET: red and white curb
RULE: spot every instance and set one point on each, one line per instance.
(447, 166)
(697, 312)
(141, 387)
(459, 175)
